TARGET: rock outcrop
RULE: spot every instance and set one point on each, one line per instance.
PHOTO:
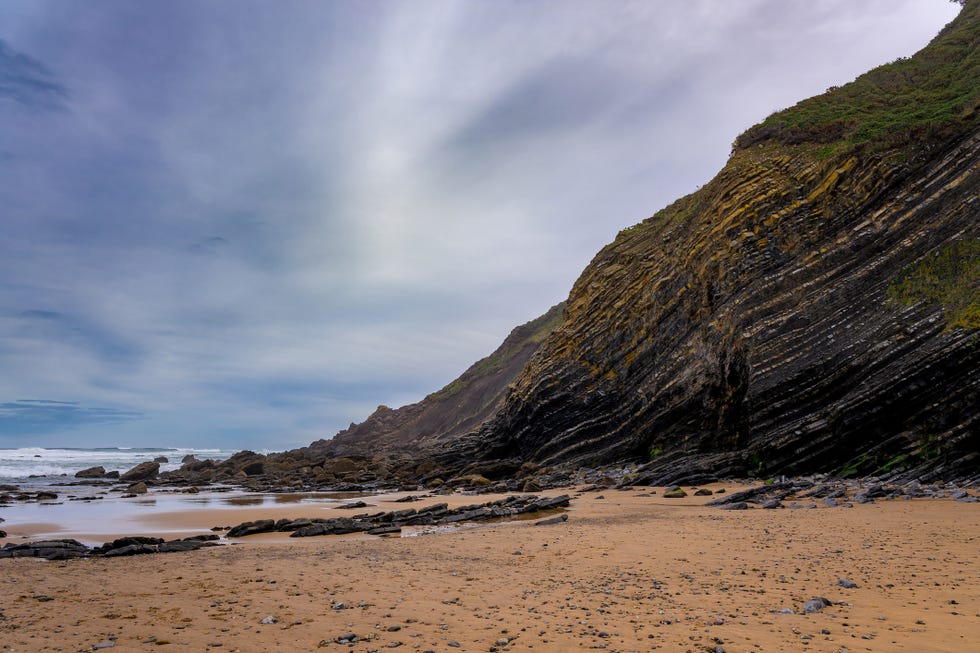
(142, 472)
(814, 307)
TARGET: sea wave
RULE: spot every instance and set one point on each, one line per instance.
(25, 462)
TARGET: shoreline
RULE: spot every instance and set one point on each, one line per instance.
(627, 571)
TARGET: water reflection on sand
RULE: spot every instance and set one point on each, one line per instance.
(72, 514)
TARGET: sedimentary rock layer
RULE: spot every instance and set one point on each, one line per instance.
(814, 307)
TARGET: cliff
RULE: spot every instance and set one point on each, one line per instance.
(815, 307)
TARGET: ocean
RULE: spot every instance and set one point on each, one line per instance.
(42, 466)
(94, 512)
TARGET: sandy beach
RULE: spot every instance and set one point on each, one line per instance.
(628, 571)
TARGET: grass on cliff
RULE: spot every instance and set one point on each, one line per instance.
(951, 277)
(934, 94)
(533, 332)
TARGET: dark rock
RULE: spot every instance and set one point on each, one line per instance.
(91, 472)
(133, 549)
(46, 496)
(703, 492)
(815, 605)
(353, 505)
(846, 583)
(47, 549)
(552, 521)
(408, 498)
(252, 527)
(770, 504)
(137, 488)
(143, 472)
(161, 459)
(738, 505)
(254, 469)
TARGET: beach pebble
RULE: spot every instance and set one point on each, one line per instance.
(815, 605)
(846, 583)
(268, 620)
(105, 644)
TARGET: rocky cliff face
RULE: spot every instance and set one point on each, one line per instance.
(814, 307)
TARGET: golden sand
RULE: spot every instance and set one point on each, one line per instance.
(627, 572)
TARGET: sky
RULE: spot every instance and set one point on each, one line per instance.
(247, 224)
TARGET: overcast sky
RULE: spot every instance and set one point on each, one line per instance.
(247, 224)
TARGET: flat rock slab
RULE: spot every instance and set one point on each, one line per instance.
(387, 523)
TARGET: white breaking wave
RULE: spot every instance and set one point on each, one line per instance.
(37, 461)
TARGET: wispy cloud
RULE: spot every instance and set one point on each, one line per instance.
(28, 82)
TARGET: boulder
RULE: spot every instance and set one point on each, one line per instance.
(91, 472)
(137, 488)
(674, 493)
(256, 468)
(142, 472)
(161, 459)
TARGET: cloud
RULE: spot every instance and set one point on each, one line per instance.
(257, 224)
(45, 416)
(28, 82)
(209, 246)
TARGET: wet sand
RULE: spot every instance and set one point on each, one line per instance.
(627, 572)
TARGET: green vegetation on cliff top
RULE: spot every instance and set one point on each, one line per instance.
(909, 103)
(935, 93)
